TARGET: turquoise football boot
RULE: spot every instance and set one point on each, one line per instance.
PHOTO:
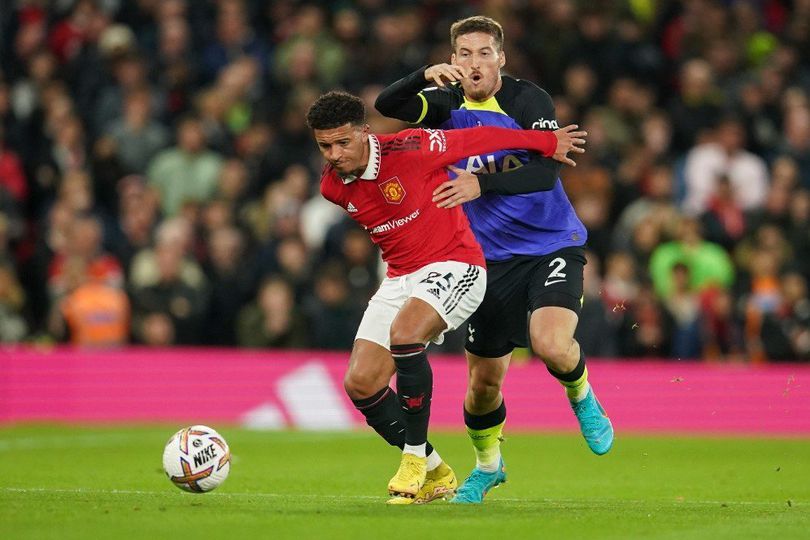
(478, 484)
(594, 423)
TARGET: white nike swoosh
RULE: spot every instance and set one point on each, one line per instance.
(553, 282)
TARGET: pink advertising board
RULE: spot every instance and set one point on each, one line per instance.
(303, 390)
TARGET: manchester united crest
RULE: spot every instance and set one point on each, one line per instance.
(392, 190)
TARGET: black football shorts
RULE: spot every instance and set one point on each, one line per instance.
(515, 288)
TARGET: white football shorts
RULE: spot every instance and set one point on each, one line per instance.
(453, 288)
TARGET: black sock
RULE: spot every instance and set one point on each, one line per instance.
(386, 417)
(415, 389)
(485, 421)
(574, 374)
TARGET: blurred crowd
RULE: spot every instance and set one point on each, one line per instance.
(158, 184)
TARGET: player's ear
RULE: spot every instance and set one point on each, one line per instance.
(502, 61)
(366, 128)
(453, 59)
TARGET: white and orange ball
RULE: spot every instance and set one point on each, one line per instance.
(197, 459)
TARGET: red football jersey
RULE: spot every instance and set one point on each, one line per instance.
(392, 199)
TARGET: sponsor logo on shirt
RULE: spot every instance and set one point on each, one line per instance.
(392, 190)
(488, 163)
(351, 208)
(542, 123)
(392, 224)
(437, 140)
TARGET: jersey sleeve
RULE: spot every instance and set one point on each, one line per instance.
(535, 111)
(328, 193)
(436, 106)
(409, 100)
(440, 148)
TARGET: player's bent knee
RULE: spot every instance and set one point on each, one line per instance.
(482, 397)
(362, 384)
(553, 350)
(484, 390)
(406, 336)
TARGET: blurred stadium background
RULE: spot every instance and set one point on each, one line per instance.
(158, 185)
(165, 257)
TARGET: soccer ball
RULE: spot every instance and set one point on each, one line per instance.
(197, 459)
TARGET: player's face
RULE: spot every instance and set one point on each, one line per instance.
(478, 52)
(344, 147)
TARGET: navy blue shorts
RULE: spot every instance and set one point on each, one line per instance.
(515, 288)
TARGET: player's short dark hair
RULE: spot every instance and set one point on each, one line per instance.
(478, 23)
(335, 109)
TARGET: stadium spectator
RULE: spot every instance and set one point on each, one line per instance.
(176, 65)
(696, 107)
(683, 307)
(138, 137)
(13, 326)
(129, 74)
(13, 191)
(762, 299)
(596, 331)
(137, 217)
(273, 320)
(93, 313)
(723, 220)
(791, 321)
(231, 277)
(796, 140)
(708, 263)
(798, 230)
(724, 155)
(186, 172)
(645, 328)
(172, 309)
(177, 235)
(723, 334)
(83, 244)
(233, 38)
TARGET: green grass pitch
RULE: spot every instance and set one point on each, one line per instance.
(107, 482)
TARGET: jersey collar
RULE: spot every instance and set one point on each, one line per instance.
(373, 167)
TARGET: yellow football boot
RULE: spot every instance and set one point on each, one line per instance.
(409, 479)
(440, 483)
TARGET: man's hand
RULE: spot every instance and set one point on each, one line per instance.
(569, 140)
(455, 192)
(445, 72)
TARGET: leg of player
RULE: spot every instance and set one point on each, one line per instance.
(366, 383)
(485, 417)
(416, 324)
(551, 330)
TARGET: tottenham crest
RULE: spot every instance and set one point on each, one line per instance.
(392, 190)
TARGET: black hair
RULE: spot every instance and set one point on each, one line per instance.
(335, 109)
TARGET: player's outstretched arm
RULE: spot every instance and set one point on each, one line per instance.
(569, 140)
(467, 187)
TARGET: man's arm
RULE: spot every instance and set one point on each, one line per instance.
(539, 174)
(441, 148)
(535, 110)
(408, 100)
(402, 100)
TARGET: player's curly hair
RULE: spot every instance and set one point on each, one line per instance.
(478, 23)
(335, 109)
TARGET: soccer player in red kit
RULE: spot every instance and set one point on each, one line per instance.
(436, 275)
